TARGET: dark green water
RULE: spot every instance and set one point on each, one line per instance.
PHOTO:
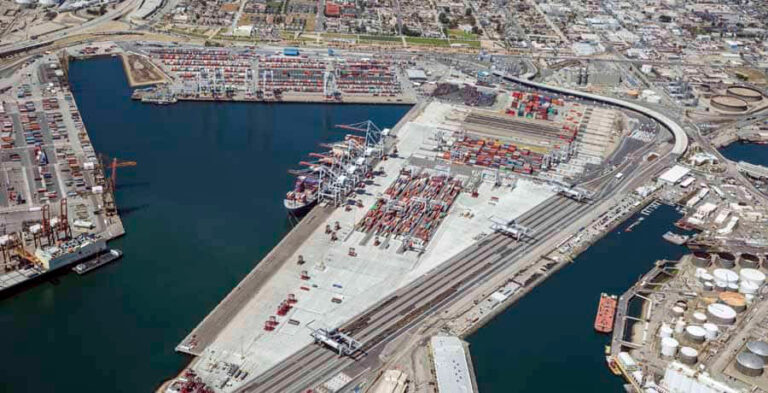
(750, 152)
(201, 208)
(546, 342)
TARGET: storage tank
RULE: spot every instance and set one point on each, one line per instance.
(725, 275)
(695, 333)
(701, 259)
(749, 261)
(749, 364)
(759, 348)
(680, 326)
(688, 355)
(721, 314)
(721, 286)
(677, 311)
(710, 331)
(748, 287)
(752, 275)
(669, 347)
(665, 330)
(726, 260)
(699, 317)
(732, 287)
(709, 286)
(734, 300)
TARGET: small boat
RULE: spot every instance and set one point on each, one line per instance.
(676, 238)
(611, 362)
(101, 260)
(606, 311)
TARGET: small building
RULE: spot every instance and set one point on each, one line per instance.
(416, 75)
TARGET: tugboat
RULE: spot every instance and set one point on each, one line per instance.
(606, 310)
(611, 362)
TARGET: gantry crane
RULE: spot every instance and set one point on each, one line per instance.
(110, 184)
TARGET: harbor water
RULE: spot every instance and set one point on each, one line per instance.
(203, 205)
(546, 342)
(750, 152)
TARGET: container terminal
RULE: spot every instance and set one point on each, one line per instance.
(243, 74)
(449, 178)
(57, 201)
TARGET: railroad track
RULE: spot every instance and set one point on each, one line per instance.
(410, 305)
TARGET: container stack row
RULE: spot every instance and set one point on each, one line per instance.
(413, 206)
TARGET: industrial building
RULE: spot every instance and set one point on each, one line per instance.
(450, 362)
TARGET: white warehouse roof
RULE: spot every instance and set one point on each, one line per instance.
(416, 74)
(451, 365)
(674, 174)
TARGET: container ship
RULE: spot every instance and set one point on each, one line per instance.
(303, 196)
(606, 310)
(334, 174)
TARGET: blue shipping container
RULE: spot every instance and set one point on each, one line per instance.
(291, 51)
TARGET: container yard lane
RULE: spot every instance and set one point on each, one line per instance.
(400, 312)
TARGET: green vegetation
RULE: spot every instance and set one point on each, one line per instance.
(427, 41)
(390, 38)
(461, 34)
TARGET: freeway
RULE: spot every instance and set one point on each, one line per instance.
(113, 14)
(412, 304)
(681, 138)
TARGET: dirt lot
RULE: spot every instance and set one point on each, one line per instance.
(141, 71)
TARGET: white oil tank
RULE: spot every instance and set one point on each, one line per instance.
(688, 355)
(752, 275)
(677, 311)
(695, 333)
(732, 287)
(706, 277)
(725, 275)
(710, 331)
(709, 286)
(721, 314)
(669, 346)
(699, 317)
(748, 287)
(665, 331)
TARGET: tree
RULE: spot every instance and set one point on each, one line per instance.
(468, 12)
(443, 18)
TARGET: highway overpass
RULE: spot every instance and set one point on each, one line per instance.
(681, 138)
